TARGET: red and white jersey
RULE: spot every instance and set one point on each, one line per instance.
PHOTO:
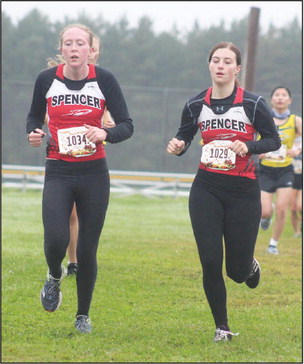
(70, 105)
(230, 126)
(68, 109)
(241, 116)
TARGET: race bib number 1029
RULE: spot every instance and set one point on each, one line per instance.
(73, 142)
(216, 155)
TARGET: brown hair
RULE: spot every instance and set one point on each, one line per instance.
(233, 48)
(230, 46)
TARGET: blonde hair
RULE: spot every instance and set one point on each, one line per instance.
(58, 59)
(97, 39)
(79, 26)
(107, 119)
(53, 62)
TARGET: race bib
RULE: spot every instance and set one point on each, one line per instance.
(216, 155)
(277, 155)
(73, 142)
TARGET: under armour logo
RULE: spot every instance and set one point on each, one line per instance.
(219, 108)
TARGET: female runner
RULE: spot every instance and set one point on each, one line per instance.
(74, 95)
(224, 201)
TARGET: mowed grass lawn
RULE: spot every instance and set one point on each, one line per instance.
(148, 303)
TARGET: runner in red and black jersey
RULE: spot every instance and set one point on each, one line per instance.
(107, 122)
(74, 96)
(224, 201)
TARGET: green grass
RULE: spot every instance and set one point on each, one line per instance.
(148, 304)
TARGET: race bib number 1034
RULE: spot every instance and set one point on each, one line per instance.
(73, 142)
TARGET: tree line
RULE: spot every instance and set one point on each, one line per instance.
(157, 72)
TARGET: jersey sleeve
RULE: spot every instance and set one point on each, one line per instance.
(188, 127)
(36, 115)
(117, 106)
(264, 124)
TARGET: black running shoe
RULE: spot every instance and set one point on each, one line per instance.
(253, 280)
(50, 294)
(83, 324)
(72, 269)
(265, 223)
(223, 333)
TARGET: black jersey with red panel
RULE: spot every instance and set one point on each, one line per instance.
(241, 116)
(71, 104)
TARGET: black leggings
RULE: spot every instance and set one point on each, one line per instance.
(226, 207)
(87, 184)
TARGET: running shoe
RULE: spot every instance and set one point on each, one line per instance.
(272, 250)
(265, 223)
(253, 280)
(50, 294)
(83, 324)
(72, 269)
(222, 333)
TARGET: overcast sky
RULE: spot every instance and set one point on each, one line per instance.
(164, 14)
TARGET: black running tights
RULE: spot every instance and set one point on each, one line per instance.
(86, 184)
(224, 208)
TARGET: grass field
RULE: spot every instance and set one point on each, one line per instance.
(148, 303)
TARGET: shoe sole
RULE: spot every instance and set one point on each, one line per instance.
(84, 332)
(83, 329)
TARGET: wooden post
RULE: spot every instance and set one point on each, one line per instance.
(251, 51)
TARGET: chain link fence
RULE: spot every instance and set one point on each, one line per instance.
(156, 113)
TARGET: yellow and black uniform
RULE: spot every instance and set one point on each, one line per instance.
(276, 169)
(287, 132)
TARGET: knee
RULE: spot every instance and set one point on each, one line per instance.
(211, 272)
(281, 213)
(236, 278)
(56, 238)
(238, 275)
(267, 212)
